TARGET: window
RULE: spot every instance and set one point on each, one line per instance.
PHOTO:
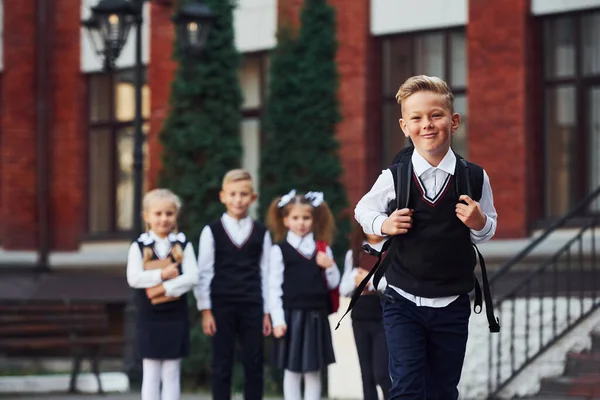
(572, 100)
(111, 115)
(252, 77)
(440, 53)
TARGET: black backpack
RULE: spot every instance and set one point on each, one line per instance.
(469, 181)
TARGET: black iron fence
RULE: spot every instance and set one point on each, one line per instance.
(541, 303)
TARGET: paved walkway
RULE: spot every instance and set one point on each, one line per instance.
(128, 396)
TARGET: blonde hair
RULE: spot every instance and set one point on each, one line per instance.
(236, 175)
(424, 83)
(323, 221)
(151, 197)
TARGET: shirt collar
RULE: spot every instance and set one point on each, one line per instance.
(421, 165)
(229, 220)
(157, 238)
(296, 240)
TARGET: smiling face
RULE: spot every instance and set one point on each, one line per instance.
(237, 197)
(161, 216)
(429, 122)
(299, 219)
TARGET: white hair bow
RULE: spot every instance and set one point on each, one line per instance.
(146, 239)
(286, 198)
(315, 198)
(176, 237)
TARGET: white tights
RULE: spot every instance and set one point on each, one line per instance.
(157, 371)
(292, 382)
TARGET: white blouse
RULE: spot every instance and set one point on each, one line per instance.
(138, 278)
(307, 246)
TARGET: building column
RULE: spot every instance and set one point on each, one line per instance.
(161, 72)
(19, 227)
(67, 130)
(354, 66)
(500, 110)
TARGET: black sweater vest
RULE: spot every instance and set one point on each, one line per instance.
(304, 284)
(435, 258)
(237, 276)
(170, 310)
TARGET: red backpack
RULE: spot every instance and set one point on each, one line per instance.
(334, 294)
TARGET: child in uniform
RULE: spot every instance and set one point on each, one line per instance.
(162, 311)
(429, 277)
(367, 320)
(232, 292)
(300, 280)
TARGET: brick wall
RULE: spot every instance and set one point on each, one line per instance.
(67, 131)
(19, 226)
(355, 47)
(160, 74)
(499, 110)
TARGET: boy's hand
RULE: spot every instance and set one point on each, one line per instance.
(360, 275)
(169, 272)
(267, 328)
(323, 260)
(208, 323)
(155, 291)
(398, 222)
(279, 331)
(470, 214)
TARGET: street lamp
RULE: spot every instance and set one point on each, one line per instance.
(192, 23)
(108, 28)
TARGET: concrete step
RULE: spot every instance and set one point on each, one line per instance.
(579, 364)
(587, 386)
(554, 397)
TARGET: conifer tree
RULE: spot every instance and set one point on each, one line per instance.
(201, 142)
(201, 135)
(302, 114)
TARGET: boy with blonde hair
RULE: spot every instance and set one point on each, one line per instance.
(433, 224)
(232, 290)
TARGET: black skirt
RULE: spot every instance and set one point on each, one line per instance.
(163, 330)
(307, 344)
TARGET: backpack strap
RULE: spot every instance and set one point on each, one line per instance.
(401, 173)
(494, 323)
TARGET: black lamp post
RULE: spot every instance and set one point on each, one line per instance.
(108, 28)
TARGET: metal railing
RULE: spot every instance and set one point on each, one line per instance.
(545, 302)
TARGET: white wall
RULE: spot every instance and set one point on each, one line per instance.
(397, 16)
(541, 7)
(255, 23)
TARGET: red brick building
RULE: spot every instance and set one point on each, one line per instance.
(526, 74)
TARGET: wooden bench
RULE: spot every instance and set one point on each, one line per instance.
(80, 329)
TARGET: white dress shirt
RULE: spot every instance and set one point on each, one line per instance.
(347, 284)
(306, 246)
(138, 278)
(239, 232)
(370, 212)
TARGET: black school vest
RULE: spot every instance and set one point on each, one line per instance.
(237, 278)
(304, 284)
(435, 258)
(171, 310)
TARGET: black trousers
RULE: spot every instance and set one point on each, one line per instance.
(371, 346)
(244, 323)
(427, 347)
